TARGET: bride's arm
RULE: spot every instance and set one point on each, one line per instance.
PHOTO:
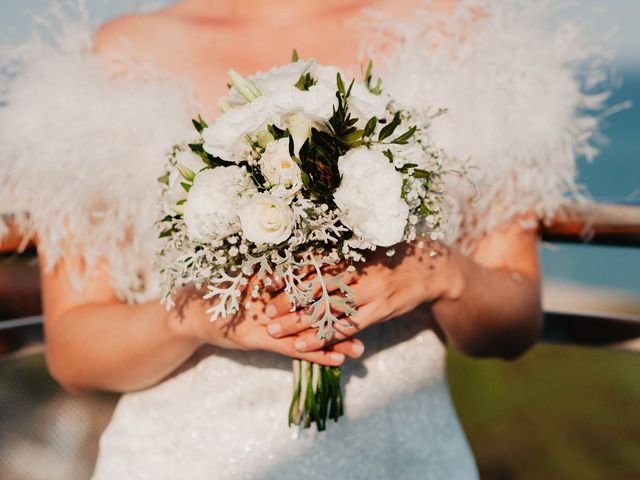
(486, 305)
(93, 341)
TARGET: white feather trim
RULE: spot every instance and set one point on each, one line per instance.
(524, 87)
(81, 154)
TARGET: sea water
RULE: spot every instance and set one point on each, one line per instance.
(614, 175)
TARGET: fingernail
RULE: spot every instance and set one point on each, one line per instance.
(271, 311)
(274, 328)
(300, 344)
(357, 348)
(337, 357)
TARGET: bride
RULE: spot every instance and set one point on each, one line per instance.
(87, 121)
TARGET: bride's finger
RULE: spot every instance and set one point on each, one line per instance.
(289, 324)
(352, 348)
(329, 357)
(308, 340)
(298, 321)
(280, 304)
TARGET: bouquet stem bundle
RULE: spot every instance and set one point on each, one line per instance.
(317, 395)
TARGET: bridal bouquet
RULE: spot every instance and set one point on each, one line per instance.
(302, 171)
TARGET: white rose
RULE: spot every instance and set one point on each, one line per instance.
(280, 170)
(226, 137)
(370, 197)
(364, 104)
(266, 219)
(213, 201)
(282, 77)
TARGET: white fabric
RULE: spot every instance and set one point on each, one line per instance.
(80, 152)
(524, 88)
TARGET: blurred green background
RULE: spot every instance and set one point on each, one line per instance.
(556, 413)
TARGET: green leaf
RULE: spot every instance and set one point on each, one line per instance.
(368, 77)
(196, 147)
(277, 133)
(367, 74)
(164, 178)
(181, 202)
(350, 87)
(292, 148)
(167, 218)
(370, 127)
(387, 153)
(418, 173)
(377, 90)
(186, 186)
(404, 138)
(168, 232)
(388, 130)
(407, 166)
(424, 210)
(305, 82)
(186, 173)
(305, 179)
(199, 123)
(340, 83)
(352, 137)
(294, 56)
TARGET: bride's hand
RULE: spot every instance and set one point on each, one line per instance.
(383, 288)
(247, 330)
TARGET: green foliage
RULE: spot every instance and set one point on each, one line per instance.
(568, 408)
(277, 133)
(305, 82)
(370, 127)
(168, 232)
(207, 158)
(320, 153)
(199, 123)
(405, 137)
(388, 129)
(164, 179)
(294, 56)
(185, 172)
(368, 78)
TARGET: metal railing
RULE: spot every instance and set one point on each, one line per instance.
(603, 224)
(607, 224)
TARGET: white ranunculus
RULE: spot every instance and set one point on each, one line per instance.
(266, 219)
(213, 201)
(370, 195)
(280, 170)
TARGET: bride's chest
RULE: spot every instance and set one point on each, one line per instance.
(202, 59)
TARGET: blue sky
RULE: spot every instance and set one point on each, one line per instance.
(15, 14)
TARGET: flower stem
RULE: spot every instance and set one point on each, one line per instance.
(317, 395)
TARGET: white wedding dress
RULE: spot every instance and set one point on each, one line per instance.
(80, 153)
